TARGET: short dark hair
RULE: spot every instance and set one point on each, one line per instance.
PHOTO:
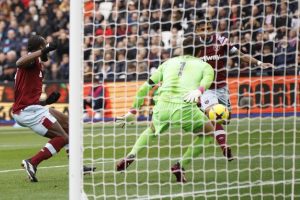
(35, 42)
(191, 46)
(203, 21)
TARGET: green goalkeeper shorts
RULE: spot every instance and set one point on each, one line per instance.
(186, 116)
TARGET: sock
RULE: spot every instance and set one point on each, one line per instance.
(220, 136)
(142, 141)
(194, 150)
(51, 148)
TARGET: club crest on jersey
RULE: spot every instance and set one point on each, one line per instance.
(216, 47)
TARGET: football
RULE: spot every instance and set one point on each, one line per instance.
(218, 113)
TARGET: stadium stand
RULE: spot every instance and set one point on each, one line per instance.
(117, 43)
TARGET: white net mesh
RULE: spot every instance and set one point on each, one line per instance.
(125, 42)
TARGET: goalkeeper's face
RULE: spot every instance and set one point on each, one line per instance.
(204, 30)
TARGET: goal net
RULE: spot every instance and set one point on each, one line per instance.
(124, 42)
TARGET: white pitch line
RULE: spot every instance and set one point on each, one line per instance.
(188, 194)
(57, 166)
(16, 170)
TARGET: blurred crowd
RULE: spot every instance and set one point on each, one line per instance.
(128, 39)
(19, 19)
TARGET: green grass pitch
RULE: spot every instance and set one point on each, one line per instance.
(264, 168)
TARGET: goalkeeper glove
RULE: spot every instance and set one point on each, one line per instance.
(194, 95)
(52, 98)
(127, 118)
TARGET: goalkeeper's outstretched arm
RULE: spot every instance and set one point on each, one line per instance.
(142, 93)
(138, 102)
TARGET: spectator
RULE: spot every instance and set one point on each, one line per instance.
(62, 44)
(267, 53)
(95, 99)
(269, 16)
(43, 29)
(121, 65)
(64, 67)
(2, 63)
(252, 26)
(10, 68)
(234, 16)
(296, 19)
(223, 27)
(60, 21)
(131, 31)
(285, 53)
(11, 42)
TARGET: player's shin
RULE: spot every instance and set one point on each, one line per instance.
(220, 136)
(51, 148)
(140, 144)
(142, 141)
(194, 150)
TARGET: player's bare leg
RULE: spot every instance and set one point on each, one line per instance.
(64, 122)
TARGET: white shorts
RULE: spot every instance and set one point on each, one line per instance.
(211, 97)
(36, 117)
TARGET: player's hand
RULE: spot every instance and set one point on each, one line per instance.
(48, 48)
(127, 118)
(52, 98)
(193, 96)
(44, 57)
(266, 65)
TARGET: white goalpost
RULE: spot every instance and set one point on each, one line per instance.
(75, 102)
(116, 45)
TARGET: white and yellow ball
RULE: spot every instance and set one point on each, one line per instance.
(218, 113)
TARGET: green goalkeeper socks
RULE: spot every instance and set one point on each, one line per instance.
(142, 141)
(194, 150)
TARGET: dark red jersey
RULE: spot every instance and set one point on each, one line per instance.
(28, 86)
(215, 53)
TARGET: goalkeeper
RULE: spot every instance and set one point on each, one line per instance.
(184, 79)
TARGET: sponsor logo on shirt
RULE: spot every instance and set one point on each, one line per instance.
(208, 58)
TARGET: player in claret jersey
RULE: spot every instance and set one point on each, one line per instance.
(28, 111)
(214, 50)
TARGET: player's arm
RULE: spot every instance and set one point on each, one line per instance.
(143, 91)
(248, 58)
(28, 60)
(208, 77)
(138, 102)
(205, 83)
(140, 97)
(52, 98)
(244, 57)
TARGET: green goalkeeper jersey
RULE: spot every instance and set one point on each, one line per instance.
(179, 75)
